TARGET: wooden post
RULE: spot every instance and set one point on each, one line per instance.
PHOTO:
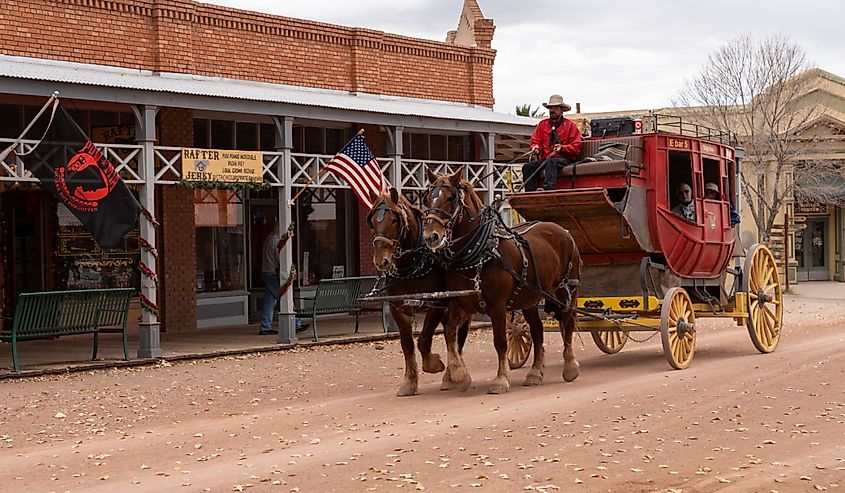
(786, 250)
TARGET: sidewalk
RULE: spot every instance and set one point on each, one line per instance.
(68, 354)
(73, 353)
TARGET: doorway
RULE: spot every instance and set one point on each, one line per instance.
(811, 250)
(26, 264)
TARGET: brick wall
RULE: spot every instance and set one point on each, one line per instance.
(189, 37)
(177, 241)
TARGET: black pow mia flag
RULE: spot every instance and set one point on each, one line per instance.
(67, 163)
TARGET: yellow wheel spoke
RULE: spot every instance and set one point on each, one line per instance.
(767, 275)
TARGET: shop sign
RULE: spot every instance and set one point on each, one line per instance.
(116, 134)
(810, 208)
(217, 165)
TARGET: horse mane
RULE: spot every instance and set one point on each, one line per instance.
(472, 195)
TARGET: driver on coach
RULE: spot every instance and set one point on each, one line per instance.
(555, 143)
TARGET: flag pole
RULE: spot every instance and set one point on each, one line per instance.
(8, 150)
(320, 171)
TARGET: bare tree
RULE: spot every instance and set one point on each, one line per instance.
(760, 91)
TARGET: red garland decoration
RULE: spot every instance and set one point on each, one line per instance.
(148, 247)
(148, 272)
(147, 305)
(288, 282)
(150, 217)
(284, 239)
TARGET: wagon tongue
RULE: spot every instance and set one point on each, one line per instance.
(597, 226)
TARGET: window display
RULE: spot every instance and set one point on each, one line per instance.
(219, 217)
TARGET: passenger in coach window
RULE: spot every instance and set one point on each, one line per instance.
(686, 206)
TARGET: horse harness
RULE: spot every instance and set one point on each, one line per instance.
(422, 259)
(483, 245)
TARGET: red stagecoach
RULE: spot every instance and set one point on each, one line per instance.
(647, 268)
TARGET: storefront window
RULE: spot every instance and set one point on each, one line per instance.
(320, 235)
(219, 216)
(80, 263)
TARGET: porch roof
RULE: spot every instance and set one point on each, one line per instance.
(40, 77)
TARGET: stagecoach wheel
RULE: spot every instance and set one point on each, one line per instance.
(677, 328)
(761, 282)
(519, 340)
(610, 341)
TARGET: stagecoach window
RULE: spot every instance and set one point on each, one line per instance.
(731, 183)
(219, 216)
(680, 171)
(712, 172)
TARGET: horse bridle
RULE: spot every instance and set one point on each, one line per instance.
(451, 218)
(396, 243)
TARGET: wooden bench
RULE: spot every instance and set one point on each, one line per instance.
(339, 295)
(54, 314)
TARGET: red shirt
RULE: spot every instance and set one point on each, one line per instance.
(570, 139)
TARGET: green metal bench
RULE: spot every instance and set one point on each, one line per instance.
(339, 295)
(54, 314)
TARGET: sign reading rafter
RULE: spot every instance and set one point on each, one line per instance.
(218, 165)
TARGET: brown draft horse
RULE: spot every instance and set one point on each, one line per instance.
(409, 268)
(512, 268)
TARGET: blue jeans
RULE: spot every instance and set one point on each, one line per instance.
(271, 302)
(530, 173)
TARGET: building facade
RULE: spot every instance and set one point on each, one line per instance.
(147, 78)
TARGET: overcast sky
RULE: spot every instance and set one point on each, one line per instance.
(609, 55)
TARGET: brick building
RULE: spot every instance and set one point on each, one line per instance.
(146, 78)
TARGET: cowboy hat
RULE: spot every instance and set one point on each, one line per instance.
(557, 100)
(711, 187)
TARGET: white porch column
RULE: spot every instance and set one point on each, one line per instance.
(488, 154)
(395, 151)
(284, 144)
(149, 343)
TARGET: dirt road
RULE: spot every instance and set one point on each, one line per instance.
(326, 419)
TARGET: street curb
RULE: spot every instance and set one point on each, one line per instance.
(276, 347)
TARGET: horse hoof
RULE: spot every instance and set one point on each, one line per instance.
(499, 388)
(447, 383)
(433, 364)
(459, 374)
(407, 390)
(533, 378)
(464, 385)
(571, 372)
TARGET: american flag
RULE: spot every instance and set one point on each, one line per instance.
(356, 164)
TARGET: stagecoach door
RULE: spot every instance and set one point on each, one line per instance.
(811, 251)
